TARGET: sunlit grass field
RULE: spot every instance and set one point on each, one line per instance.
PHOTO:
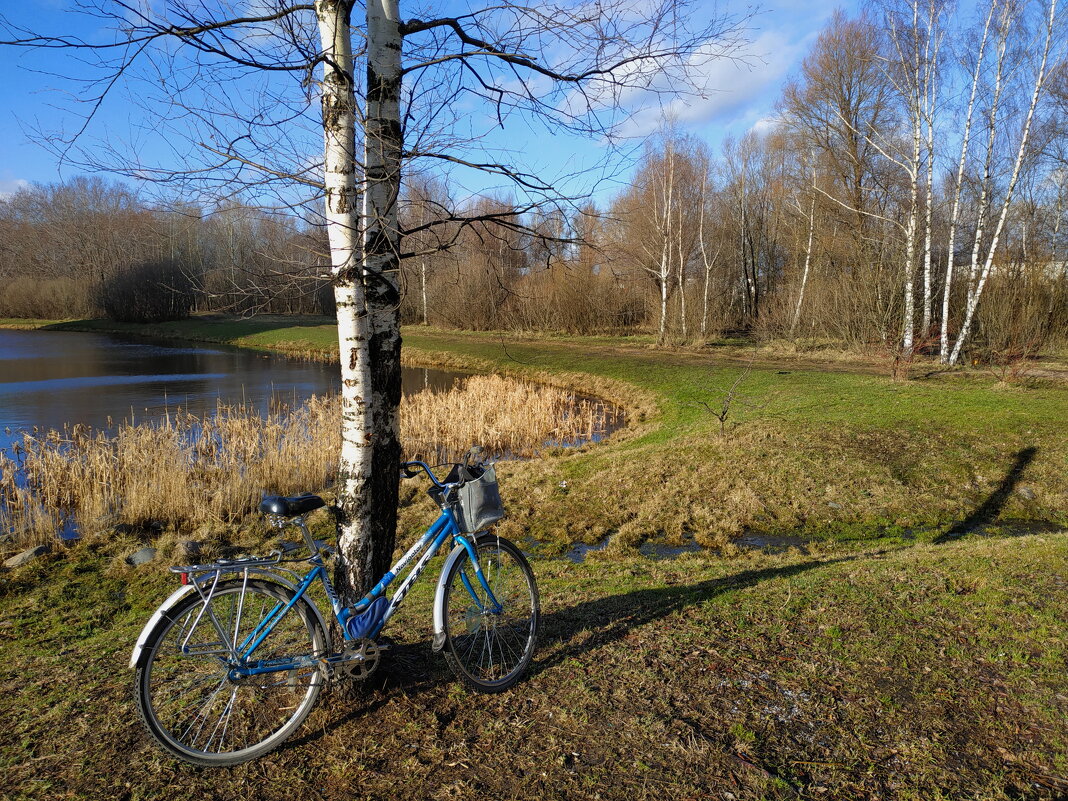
(902, 637)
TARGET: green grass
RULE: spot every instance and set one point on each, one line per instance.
(911, 647)
(916, 672)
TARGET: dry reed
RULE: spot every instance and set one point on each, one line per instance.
(508, 417)
(186, 471)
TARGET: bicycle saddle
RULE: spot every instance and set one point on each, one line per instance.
(291, 507)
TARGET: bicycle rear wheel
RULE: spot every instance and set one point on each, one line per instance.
(489, 650)
(188, 697)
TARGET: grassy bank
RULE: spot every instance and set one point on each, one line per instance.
(824, 450)
(923, 672)
(909, 648)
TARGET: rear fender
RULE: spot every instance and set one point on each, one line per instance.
(138, 654)
(164, 608)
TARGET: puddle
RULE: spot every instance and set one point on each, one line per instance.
(771, 543)
(579, 550)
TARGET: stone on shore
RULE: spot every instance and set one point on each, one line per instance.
(27, 556)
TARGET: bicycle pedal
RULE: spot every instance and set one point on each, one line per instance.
(384, 643)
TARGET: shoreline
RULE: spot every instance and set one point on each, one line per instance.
(809, 451)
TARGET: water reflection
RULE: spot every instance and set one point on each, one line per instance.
(52, 378)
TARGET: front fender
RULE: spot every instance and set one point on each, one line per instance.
(439, 598)
(439, 595)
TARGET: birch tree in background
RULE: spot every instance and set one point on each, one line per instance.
(810, 226)
(958, 184)
(1014, 20)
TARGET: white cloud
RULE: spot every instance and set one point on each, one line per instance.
(723, 86)
(765, 125)
(10, 186)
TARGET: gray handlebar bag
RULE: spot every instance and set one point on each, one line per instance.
(479, 503)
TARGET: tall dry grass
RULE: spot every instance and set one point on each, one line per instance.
(508, 417)
(187, 471)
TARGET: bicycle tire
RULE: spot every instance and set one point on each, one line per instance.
(473, 634)
(188, 702)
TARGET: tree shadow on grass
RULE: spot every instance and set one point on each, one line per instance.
(611, 618)
(414, 670)
(989, 510)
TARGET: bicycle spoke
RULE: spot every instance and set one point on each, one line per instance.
(490, 645)
(193, 705)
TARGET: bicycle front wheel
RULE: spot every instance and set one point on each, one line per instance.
(490, 647)
(194, 703)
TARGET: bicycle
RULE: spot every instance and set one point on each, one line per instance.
(231, 664)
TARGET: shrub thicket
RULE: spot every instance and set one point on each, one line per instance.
(149, 292)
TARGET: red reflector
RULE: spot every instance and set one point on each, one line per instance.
(185, 578)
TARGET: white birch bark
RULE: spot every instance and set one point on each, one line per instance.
(910, 238)
(666, 202)
(380, 272)
(808, 256)
(708, 262)
(954, 214)
(682, 278)
(342, 225)
(932, 46)
(422, 276)
(1040, 80)
(425, 218)
(985, 191)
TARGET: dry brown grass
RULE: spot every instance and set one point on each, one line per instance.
(509, 418)
(187, 471)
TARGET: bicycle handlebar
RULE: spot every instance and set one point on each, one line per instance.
(411, 470)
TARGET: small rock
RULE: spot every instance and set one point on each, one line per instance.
(1026, 493)
(834, 505)
(189, 549)
(141, 557)
(27, 556)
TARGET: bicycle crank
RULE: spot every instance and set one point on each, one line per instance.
(357, 661)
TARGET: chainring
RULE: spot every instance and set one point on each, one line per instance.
(358, 660)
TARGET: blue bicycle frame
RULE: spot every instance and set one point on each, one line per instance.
(441, 530)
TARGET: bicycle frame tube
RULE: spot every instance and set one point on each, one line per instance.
(266, 626)
(429, 544)
(439, 531)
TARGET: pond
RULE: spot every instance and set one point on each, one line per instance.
(52, 378)
(54, 381)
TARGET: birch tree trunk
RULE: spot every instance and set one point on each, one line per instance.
(353, 321)
(909, 321)
(705, 260)
(381, 262)
(932, 46)
(682, 281)
(808, 256)
(986, 189)
(1040, 79)
(667, 199)
(954, 214)
(422, 271)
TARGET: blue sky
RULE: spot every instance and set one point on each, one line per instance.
(740, 96)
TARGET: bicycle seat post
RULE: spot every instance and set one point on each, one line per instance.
(298, 521)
